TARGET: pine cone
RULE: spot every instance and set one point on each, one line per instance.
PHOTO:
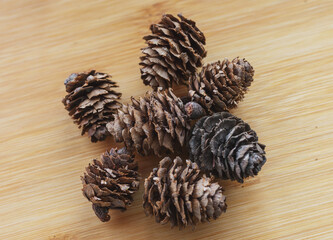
(91, 101)
(221, 85)
(227, 147)
(157, 122)
(109, 183)
(175, 49)
(180, 195)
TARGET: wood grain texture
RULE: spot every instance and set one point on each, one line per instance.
(290, 105)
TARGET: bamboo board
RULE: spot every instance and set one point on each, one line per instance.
(290, 105)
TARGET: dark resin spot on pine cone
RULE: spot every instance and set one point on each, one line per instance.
(110, 183)
(156, 123)
(175, 50)
(221, 85)
(227, 147)
(177, 193)
(91, 102)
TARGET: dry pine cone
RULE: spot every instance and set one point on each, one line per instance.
(175, 50)
(91, 101)
(110, 183)
(180, 195)
(227, 147)
(221, 85)
(157, 122)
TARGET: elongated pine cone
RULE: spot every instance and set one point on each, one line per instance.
(180, 195)
(175, 50)
(157, 122)
(110, 183)
(91, 101)
(221, 85)
(227, 147)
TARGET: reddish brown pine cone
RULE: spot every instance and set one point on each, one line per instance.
(91, 101)
(175, 50)
(221, 85)
(110, 183)
(227, 147)
(157, 123)
(177, 193)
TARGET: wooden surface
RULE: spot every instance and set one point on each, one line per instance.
(290, 105)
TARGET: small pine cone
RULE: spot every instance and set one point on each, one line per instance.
(157, 122)
(227, 147)
(221, 85)
(180, 195)
(175, 50)
(91, 102)
(110, 183)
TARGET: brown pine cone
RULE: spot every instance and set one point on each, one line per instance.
(91, 101)
(221, 85)
(180, 195)
(110, 183)
(227, 147)
(175, 50)
(157, 122)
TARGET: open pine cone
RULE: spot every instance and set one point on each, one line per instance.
(157, 122)
(91, 101)
(110, 183)
(180, 195)
(227, 147)
(221, 85)
(175, 50)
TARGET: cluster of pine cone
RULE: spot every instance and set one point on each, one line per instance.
(219, 144)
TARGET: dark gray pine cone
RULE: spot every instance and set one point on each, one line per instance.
(110, 183)
(175, 50)
(221, 85)
(91, 102)
(177, 193)
(157, 122)
(227, 147)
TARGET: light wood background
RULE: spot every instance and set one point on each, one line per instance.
(290, 105)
